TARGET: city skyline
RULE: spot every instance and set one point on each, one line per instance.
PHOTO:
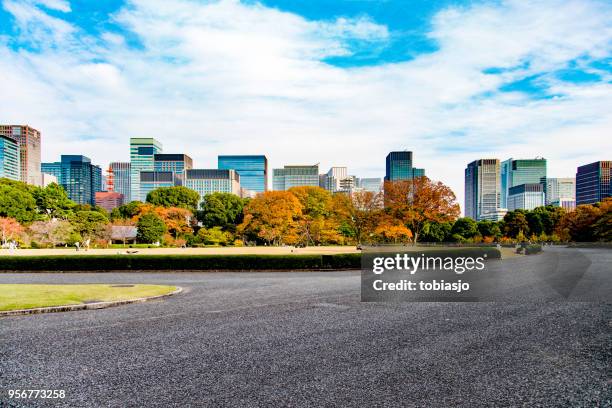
(453, 81)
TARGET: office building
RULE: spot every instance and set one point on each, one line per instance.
(332, 179)
(78, 176)
(151, 180)
(10, 166)
(121, 179)
(347, 184)
(593, 182)
(109, 200)
(560, 190)
(523, 171)
(176, 163)
(208, 181)
(482, 188)
(526, 196)
(372, 184)
(142, 158)
(252, 169)
(399, 167)
(29, 151)
(295, 176)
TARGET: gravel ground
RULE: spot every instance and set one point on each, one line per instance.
(305, 339)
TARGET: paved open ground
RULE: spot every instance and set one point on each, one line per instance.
(305, 339)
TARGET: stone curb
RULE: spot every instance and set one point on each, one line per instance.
(85, 306)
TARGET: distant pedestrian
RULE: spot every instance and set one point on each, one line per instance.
(77, 245)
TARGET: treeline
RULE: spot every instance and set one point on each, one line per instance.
(408, 212)
(587, 223)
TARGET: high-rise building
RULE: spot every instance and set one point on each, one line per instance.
(482, 188)
(78, 176)
(523, 171)
(121, 174)
(332, 179)
(372, 184)
(108, 200)
(399, 167)
(208, 181)
(142, 158)
(29, 151)
(9, 157)
(525, 196)
(295, 176)
(252, 169)
(560, 191)
(593, 182)
(176, 163)
(151, 180)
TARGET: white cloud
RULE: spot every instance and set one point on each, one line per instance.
(225, 77)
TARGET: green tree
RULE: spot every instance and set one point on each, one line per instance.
(221, 210)
(214, 236)
(550, 217)
(534, 220)
(437, 232)
(53, 201)
(90, 224)
(17, 201)
(126, 211)
(488, 228)
(515, 222)
(466, 227)
(151, 228)
(178, 196)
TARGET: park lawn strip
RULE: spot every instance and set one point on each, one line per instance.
(26, 296)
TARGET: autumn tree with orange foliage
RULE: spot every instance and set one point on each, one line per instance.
(319, 223)
(10, 229)
(392, 230)
(178, 221)
(273, 217)
(587, 223)
(359, 211)
(420, 201)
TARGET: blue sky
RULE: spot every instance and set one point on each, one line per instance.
(338, 82)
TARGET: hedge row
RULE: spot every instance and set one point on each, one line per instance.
(57, 263)
(178, 262)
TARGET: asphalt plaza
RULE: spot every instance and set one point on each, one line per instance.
(305, 339)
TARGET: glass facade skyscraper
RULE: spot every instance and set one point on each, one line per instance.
(482, 188)
(593, 182)
(208, 181)
(176, 163)
(150, 180)
(9, 157)
(517, 172)
(525, 196)
(399, 167)
(121, 179)
(142, 158)
(78, 176)
(253, 170)
(560, 190)
(29, 151)
(295, 176)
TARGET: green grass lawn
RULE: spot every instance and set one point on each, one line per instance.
(22, 296)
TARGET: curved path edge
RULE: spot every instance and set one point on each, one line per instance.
(86, 306)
